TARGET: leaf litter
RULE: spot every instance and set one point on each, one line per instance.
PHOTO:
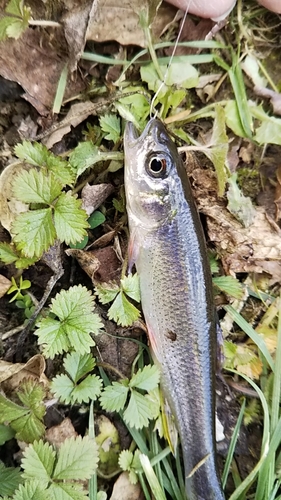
(244, 236)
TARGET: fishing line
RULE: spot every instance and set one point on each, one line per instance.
(170, 62)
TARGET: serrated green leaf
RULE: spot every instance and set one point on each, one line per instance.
(125, 460)
(31, 393)
(77, 459)
(34, 232)
(107, 292)
(88, 389)
(78, 366)
(96, 219)
(34, 186)
(146, 379)
(39, 461)
(15, 8)
(4, 23)
(131, 286)
(229, 349)
(52, 335)
(74, 309)
(66, 491)
(60, 169)
(111, 125)
(16, 28)
(28, 428)
(62, 387)
(31, 490)
(139, 411)
(122, 311)
(70, 219)
(68, 392)
(10, 479)
(6, 433)
(10, 411)
(229, 285)
(32, 152)
(85, 155)
(113, 397)
(7, 253)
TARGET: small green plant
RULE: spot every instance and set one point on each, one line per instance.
(17, 288)
(10, 479)
(139, 408)
(71, 324)
(26, 419)
(58, 474)
(122, 311)
(17, 20)
(78, 386)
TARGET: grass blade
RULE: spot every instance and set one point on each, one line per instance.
(233, 445)
(60, 90)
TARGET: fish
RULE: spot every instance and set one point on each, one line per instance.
(167, 247)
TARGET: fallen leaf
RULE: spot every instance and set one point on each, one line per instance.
(93, 196)
(57, 434)
(124, 490)
(256, 248)
(102, 264)
(119, 21)
(5, 284)
(10, 207)
(12, 374)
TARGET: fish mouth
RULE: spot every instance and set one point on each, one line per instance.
(154, 129)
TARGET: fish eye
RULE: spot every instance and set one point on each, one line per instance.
(157, 166)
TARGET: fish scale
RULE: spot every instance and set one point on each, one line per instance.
(168, 248)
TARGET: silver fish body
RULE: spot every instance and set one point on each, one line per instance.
(168, 248)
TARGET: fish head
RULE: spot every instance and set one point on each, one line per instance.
(151, 173)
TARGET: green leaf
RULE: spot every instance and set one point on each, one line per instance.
(122, 311)
(70, 219)
(96, 219)
(107, 292)
(78, 366)
(74, 309)
(111, 125)
(218, 152)
(182, 74)
(16, 28)
(39, 156)
(7, 253)
(77, 459)
(140, 410)
(39, 461)
(125, 460)
(31, 490)
(113, 397)
(229, 285)
(10, 479)
(269, 131)
(15, 8)
(232, 118)
(34, 232)
(10, 411)
(131, 286)
(4, 23)
(239, 205)
(6, 433)
(69, 390)
(85, 155)
(66, 491)
(146, 379)
(34, 186)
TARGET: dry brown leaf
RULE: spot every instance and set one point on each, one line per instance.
(93, 196)
(57, 434)
(124, 490)
(11, 374)
(102, 264)
(119, 21)
(36, 64)
(5, 284)
(10, 207)
(256, 248)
